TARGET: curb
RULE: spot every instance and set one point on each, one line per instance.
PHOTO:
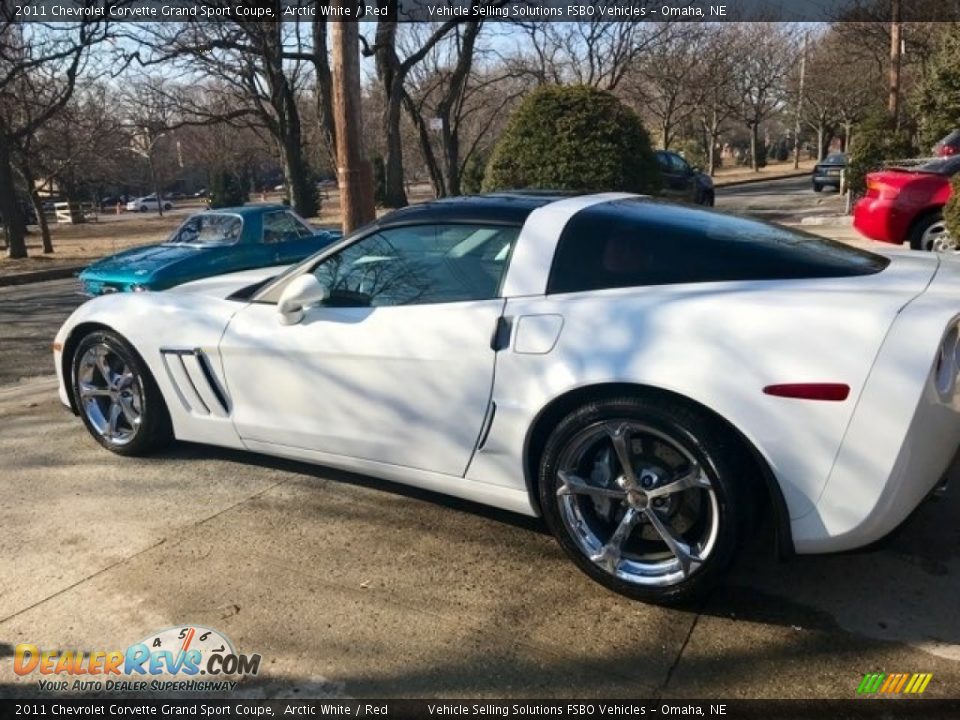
(846, 220)
(35, 276)
(760, 179)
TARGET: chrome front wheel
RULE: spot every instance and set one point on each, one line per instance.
(117, 397)
(110, 394)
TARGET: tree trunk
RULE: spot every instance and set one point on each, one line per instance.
(426, 148)
(297, 177)
(820, 141)
(754, 130)
(36, 203)
(394, 195)
(41, 221)
(321, 66)
(451, 145)
(13, 225)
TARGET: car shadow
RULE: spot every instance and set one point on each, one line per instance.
(902, 589)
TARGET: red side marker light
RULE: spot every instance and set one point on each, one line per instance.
(810, 391)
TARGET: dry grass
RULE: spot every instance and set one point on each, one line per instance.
(76, 245)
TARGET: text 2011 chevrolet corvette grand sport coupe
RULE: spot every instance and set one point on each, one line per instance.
(647, 377)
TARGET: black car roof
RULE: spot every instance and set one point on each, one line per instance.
(506, 208)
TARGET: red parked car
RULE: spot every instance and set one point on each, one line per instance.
(906, 204)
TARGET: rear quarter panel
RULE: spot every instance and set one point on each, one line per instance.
(718, 344)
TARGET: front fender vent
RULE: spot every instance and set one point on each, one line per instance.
(194, 381)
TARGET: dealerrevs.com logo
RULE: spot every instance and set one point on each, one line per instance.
(179, 658)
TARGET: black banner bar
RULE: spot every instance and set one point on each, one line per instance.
(418, 709)
(490, 10)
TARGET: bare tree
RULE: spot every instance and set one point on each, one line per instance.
(767, 53)
(663, 84)
(713, 80)
(596, 52)
(392, 73)
(263, 75)
(461, 101)
(47, 58)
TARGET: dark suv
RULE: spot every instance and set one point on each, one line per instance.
(683, 182)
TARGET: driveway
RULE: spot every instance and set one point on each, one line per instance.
(349, 586)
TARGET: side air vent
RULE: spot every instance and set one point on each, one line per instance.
(197, 387)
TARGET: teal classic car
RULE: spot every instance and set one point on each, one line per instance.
(210, 243)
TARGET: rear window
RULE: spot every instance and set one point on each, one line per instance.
(836, 159)
(637, 242)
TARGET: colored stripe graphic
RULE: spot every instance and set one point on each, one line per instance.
(871, 683)
(894, 683)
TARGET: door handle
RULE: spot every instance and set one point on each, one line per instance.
(500, 340)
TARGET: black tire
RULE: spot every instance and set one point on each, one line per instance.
(817, 187)
(167, 206)
(920, 226)
(143, 208)
(708, 199)
(154, 430)
(703, 440)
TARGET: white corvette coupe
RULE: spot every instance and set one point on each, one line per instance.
(649, 378)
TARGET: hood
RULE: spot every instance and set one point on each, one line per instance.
(140, 264)
(225, 285)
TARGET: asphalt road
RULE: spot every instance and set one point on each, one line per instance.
(30, 316)
(353, 587)
(787, 200)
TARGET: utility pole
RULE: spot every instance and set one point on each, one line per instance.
(353, 171)
(796, 136)
(896, 49)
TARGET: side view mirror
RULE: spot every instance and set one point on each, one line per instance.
(302, 292)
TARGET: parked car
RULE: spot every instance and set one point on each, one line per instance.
(148, 202)
(648, 377)
(683, 182)
(210, 243)
(906, 204)
(827, 172)
(949, 145)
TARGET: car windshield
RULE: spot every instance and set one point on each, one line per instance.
(208, 229)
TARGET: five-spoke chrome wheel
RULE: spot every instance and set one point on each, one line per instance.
(936, 238)
(110, 394)
(649, 494)
(637, 503)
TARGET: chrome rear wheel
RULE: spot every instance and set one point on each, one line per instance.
(649, 495)
(637, 503)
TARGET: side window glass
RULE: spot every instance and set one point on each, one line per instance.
(283, 226)
(680, 165)
(418, 265)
